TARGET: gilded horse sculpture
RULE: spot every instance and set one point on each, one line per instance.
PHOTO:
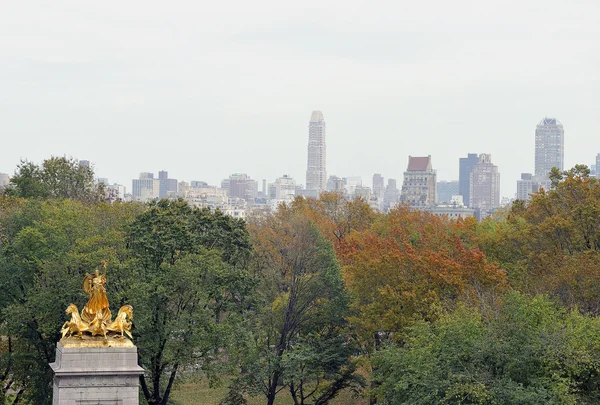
(95, 317)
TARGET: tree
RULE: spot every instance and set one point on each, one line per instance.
(551, 244)
(529, 352)
(407, 265)
(47, 248)
(299, 342)
(57, 177)
(191, 291)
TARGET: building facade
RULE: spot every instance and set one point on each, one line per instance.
(283, 189)
(167, 188)
(4, 180)
(316, 172)
(240, 185)
(485, 186)
(464, 176)
(391, 195)
(419, 186)
(549, 147)
(145, 188)
(446, 190)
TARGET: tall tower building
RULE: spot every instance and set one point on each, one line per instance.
(316, 172)
(485, 186)
(418, 188)
(549, 147)
(464, 176)
(378, 185)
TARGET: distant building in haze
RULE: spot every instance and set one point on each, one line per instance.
(240, 185)
(167, 188)
(283, 189)
(378, 185)
(485, 186)
(391, 195)
(549, 147)
(335, 183)
(446, 190)
(145, 188)
(4, 180)
(464, 176)
(418, 188)
(598, 165)
(316, 168)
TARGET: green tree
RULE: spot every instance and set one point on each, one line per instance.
(300, 340)
(190, 294)
(57, 177)
(47, 247)
(530, 352)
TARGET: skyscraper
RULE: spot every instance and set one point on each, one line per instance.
(167, 186)
(549, 147)
(485, 186)
(464, 176)
(316, 172)
(378, 185)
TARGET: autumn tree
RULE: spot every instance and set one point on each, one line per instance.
(299, 341)
(335, 216)
(409, 263)
(551, 244)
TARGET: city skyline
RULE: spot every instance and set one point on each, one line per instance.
(317, 125)
(207, 91)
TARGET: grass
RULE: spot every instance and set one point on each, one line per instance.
(198, 392)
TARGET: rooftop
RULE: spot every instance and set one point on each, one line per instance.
(419, 163)
(317, 116)
(550, 121)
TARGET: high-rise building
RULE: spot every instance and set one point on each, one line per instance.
(418, 188)
(145, 188)
(485, 186)
(335, 183)
(598, 165)
(464, 176)
(167, 187)
(391, 194)
(527, 186)
(240, 185)
(446, 190)
(284, 189)
(378, 185)
(549, 147)
(316, 171)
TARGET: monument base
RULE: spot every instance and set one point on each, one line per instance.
(94, 371)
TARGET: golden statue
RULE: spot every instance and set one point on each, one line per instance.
(93, 285)
(95, 319)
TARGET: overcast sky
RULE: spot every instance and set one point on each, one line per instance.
(205, 89)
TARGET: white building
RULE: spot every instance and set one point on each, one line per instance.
(4, 180)
(282, 190)
(316, 171)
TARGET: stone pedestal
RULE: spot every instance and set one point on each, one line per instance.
(92, 373)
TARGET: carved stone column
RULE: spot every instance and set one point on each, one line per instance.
(91, 371)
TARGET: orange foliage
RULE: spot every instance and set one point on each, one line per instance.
(409, 263)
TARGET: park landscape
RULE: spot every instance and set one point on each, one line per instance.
(323, 301)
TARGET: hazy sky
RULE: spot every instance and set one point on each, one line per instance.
(204, 89)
